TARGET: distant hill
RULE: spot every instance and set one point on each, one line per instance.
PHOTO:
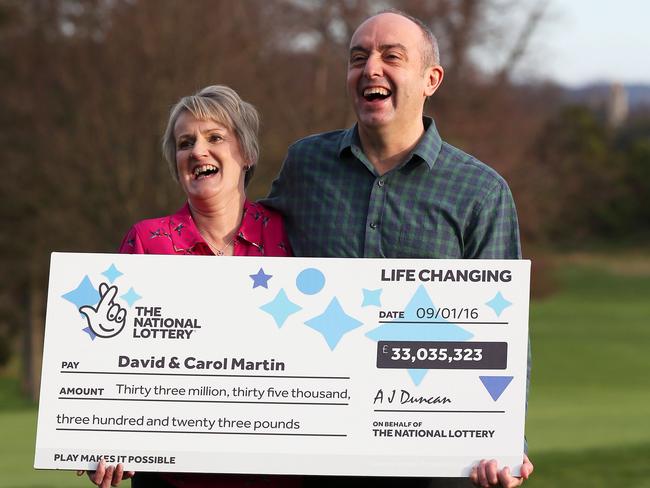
(638, 95)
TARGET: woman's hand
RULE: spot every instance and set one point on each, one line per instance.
(106, 476)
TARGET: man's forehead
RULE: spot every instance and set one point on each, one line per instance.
(386, 29)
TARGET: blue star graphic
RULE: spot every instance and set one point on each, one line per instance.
(280, 308)
(412, 328)
(261, 279)
(84, 294)
(130, 297)
(498, 304)
(112, 273)
(371, 297)
(333, 323)
(90, 332)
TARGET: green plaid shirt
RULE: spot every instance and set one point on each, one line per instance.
(440, 203)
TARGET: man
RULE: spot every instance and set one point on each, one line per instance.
(390, 187)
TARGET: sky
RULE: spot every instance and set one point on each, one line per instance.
(583, 41)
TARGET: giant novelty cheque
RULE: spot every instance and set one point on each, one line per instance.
(384, 367)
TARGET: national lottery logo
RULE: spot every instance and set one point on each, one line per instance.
(107, 318)
(105, 312)
(103, 309)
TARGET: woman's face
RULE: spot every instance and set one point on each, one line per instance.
(208, 158)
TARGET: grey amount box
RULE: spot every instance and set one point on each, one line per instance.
(442, 355)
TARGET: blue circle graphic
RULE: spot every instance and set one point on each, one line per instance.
(310, 281)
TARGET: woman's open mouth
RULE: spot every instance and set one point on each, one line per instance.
(204, 171)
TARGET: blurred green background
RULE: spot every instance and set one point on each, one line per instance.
(85, 90)
(587, 423)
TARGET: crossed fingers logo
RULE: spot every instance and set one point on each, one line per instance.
(107, 318)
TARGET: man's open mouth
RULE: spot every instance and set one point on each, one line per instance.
(204, 171)
(376, 93)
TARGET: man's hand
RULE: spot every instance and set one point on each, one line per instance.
(108, 476)
(107, 319)
(487, 474)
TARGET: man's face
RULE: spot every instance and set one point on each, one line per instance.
(386, 81)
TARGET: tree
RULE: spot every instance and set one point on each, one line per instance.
(90, 82)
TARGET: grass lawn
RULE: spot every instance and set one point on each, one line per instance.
(591, 367)
(588, 419)
(18, 428)
(589, 411)
(619, 467)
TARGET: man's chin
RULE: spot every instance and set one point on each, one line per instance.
(374, 120)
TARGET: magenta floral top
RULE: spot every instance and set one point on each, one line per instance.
(261, 234)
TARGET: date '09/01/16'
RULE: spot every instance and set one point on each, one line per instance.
(433, 313)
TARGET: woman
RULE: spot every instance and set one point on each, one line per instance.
(211, 146)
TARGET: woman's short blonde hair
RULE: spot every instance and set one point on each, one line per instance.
(223, 105)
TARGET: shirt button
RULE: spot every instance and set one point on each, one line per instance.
(373, 225)
(380, 183)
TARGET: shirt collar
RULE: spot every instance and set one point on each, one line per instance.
(427, 148)
(252, 224)
(183, 231)
(186, 237)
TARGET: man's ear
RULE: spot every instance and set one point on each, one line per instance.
(434, 76)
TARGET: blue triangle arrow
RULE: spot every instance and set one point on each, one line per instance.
(496, 385)
(417, 375)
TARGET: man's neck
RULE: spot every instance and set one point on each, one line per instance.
(386, 148)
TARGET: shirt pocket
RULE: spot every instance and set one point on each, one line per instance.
(433, 240)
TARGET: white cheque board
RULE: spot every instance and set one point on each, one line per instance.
(382, 367)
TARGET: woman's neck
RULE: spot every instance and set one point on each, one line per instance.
(218, 220)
